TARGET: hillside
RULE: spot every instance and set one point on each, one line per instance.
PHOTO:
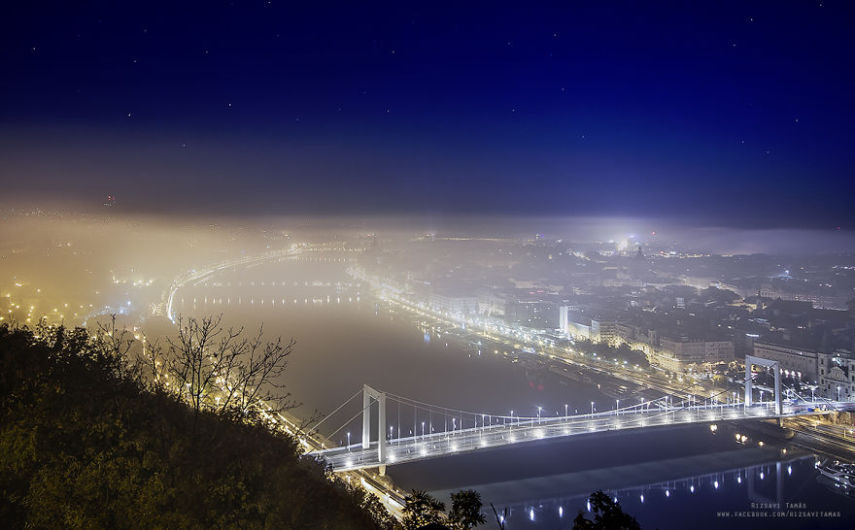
(83, 443)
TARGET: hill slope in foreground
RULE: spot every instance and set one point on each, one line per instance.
(84, 443)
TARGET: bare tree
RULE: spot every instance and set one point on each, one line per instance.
(222, 369)
(110, 340)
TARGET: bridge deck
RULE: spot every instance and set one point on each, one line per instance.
(482, 437)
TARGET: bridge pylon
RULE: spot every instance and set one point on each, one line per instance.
(368, 394)
(751, 361)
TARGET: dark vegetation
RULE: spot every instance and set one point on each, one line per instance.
(424, 511)
(606, 515)
(86, 441)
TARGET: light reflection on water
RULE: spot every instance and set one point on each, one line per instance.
(779, 493)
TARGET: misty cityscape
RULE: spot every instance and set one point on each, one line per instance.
(400, 267)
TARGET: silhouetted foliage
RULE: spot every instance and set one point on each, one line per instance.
(84, 443)
(466, 510)
(423, 511)
(608, 515)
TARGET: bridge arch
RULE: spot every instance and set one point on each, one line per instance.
(369, 394)
(750, 362)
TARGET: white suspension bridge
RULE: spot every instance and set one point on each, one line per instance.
(440, 431)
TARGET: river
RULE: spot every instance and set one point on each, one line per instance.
(346, 338)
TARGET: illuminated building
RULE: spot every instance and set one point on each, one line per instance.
(799, 360)
(836, 375)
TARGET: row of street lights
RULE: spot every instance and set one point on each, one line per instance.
(539, 416)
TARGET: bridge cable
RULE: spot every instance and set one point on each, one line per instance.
(345, 424)
(315, 426)
(446, 410)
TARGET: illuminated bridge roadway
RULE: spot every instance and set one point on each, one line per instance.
(195, 276)
(438, 431)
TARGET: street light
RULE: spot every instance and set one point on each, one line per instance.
(617, 406)
(348, 441)
(592, 409)
(565, 410)
(538, 412)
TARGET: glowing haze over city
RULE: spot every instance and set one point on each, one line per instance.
(576, 265)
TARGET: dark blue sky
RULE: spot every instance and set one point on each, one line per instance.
(726, 113)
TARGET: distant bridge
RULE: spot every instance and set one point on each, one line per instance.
(193, 276)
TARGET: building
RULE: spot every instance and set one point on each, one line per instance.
(581, 327)
(629, 333)
(816, 300)
(577, 327)
(604, 331)
(836, 375)
(453, 304)
(563, 318)
(533, 313)
(492, 305)
(676, 354)
(636, 337)
(803, 363)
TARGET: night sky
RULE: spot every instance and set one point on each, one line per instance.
(736, 114)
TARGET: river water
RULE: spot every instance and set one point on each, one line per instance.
(345, 338)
